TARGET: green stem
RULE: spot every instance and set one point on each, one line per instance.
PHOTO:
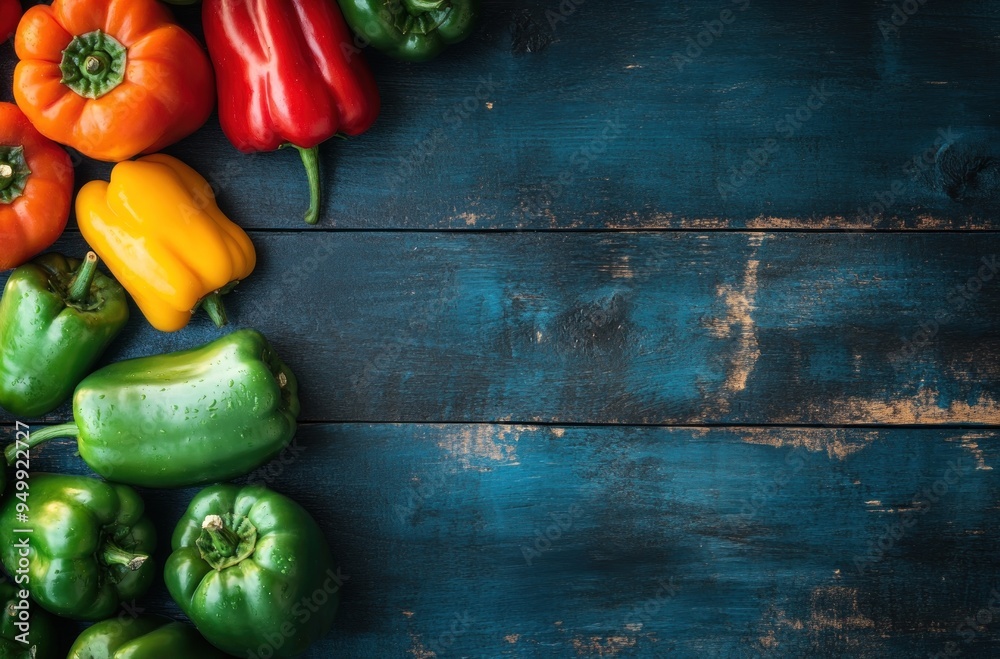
(79, 288)
(93, 64)
(96, 64)
(212, 303)
(36, 437)
(225, 541)
(310, 158)
(14, 173)
(112, 554)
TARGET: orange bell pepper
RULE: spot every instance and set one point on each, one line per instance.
(111, 78)
(36, 188)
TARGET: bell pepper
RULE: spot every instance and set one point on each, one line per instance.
(253, 572)
(57, 316)
(288, 76)
(145, 637)
(411, 30)
(86, 544)
(10, 14)
(185, 418)
(27, 631)
(160, 232)
(36, 188)
(111, 79)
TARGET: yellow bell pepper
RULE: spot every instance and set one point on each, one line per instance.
(159, 230)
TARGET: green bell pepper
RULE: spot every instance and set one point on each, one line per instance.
(411, 30)
(83, 544)
(253, 572)
(185, 418)
(145, 637)
(57, 317)
(33, 635)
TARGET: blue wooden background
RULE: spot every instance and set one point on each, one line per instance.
(643, 329)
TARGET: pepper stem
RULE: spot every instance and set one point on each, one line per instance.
(79, 288)
(93, 64)
(310, 158)
(36, 437)
(226, 540)
(112, 554)
(14, 173)
(212, 303)
(223, 540)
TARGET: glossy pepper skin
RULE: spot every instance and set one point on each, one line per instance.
(289, 75)
(88, 547)
(145, 637)
(158, 229)
(411, 30)
(111, 78)
(10, 14)
(57, 317)
(44, 631)
(250, 565)
(185, 418)
(36, 189)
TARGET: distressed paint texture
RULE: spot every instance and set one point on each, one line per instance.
(644, 542)
(723, 327)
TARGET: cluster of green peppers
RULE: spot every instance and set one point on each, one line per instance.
(182, 419)
(186, 418)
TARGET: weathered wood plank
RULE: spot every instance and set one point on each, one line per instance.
(486, 541)
(604, 127)
(646, 328)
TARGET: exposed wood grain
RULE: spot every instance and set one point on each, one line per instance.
(601, 125)
(640, 328)
(487, 541)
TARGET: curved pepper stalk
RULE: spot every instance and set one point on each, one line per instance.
(289, 74)
(106, 555)
(215, 413)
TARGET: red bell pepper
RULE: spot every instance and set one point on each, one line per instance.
(288, 75)
(10, 16)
